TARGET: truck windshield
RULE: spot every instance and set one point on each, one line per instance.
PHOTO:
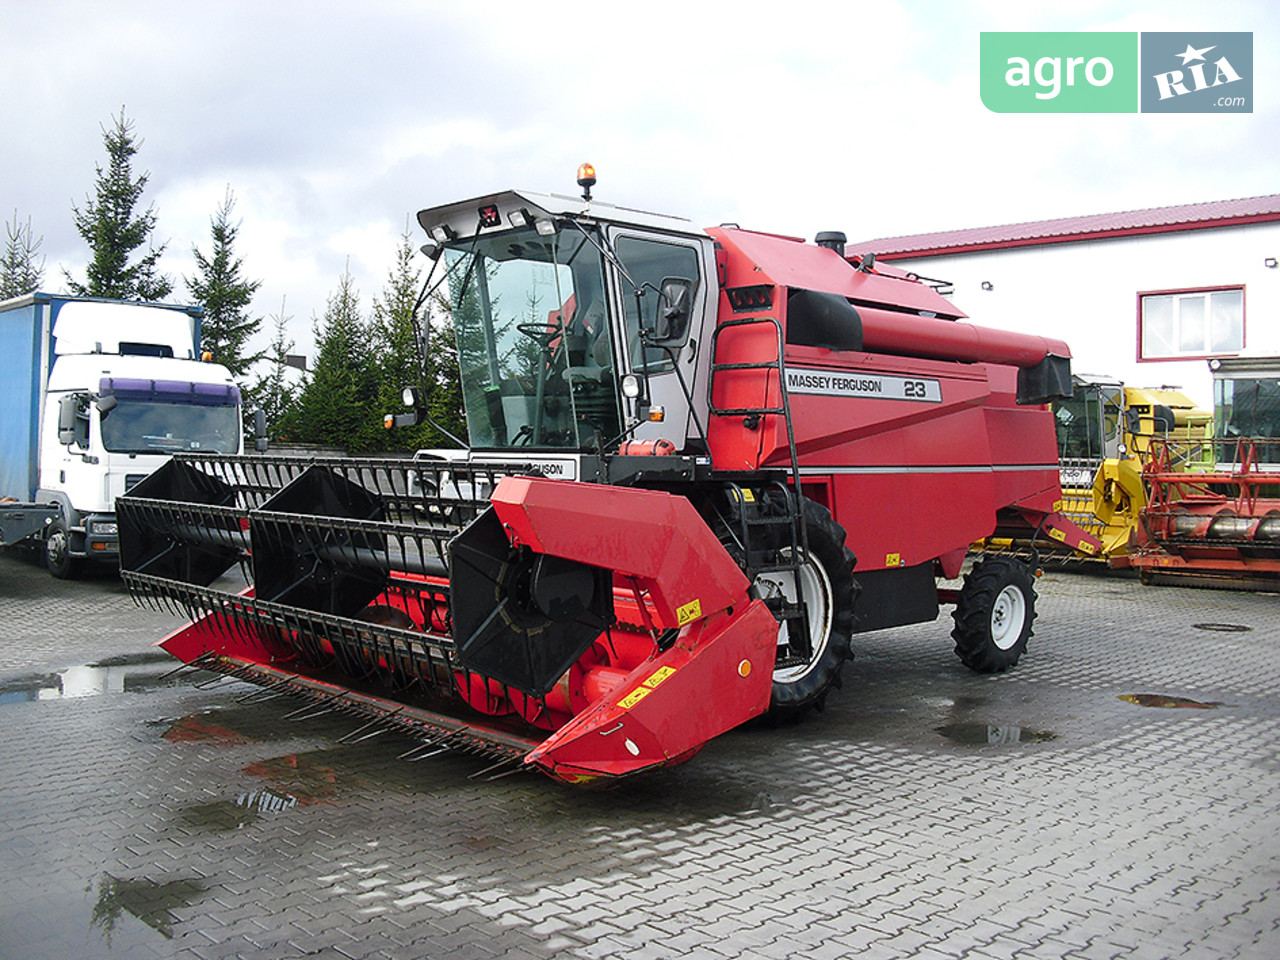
(537, 361)
(157, 426)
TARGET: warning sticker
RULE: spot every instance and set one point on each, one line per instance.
(634, 697)
(658, 676)
(829, 383)
(688, 613)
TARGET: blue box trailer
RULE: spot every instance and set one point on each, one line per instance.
(23, 367)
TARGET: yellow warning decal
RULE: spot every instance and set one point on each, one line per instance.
(748, 496)
(1057, 534)
(689, 612)
(634, 697)
(658, 676)
(1057, 506)
(893, 559)
(1087, 547)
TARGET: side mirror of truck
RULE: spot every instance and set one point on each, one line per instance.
(260, 430)
(673, 309)
(71, 420)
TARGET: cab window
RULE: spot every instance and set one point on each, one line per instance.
(650, 263)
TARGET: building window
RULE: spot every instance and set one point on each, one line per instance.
(1187, 324)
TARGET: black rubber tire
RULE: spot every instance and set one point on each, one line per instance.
(802, 690)
(57, 551)
(994, 615)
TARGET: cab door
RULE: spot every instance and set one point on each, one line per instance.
(649, 261)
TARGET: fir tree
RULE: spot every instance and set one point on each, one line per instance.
(399, 322)
(273, 393)
(108, 224)
(19, 272)
(225, 295)
(338, 402)
(443, 376)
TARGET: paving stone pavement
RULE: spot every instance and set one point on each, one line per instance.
(928, 813)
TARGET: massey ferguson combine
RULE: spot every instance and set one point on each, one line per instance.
(680, 439)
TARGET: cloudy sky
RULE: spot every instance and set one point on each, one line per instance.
(333, 122)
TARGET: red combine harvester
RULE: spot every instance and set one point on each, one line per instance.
(679, 441)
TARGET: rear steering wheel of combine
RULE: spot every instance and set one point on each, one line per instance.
(826, 580)
(994, 614)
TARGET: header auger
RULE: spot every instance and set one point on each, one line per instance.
(685, 446)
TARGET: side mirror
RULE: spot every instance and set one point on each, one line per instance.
(673, 309)
(260, 430)
(68, 410)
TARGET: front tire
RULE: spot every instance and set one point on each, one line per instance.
(57, 551)
(826, 577)
(994, 615)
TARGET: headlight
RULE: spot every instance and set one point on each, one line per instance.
(631, 386)
(104, 528)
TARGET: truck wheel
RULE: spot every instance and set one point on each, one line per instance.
(994, 615)
(827, 579)
(57, 551)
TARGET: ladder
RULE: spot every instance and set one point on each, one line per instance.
(759, 524)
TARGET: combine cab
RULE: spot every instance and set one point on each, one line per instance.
(680, 440)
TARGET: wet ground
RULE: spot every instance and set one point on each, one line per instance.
(1115, 795)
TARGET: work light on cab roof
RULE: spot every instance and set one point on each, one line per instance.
(586, 180)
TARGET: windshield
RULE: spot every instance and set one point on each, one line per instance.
(1248, 407)
(536, 357)
(157, 426)
(1086, 423)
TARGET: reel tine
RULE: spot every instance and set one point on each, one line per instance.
(518, 768)
(505, 761)
(315, 709)
(383, 723)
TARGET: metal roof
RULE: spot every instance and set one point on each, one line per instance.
(1100, 226)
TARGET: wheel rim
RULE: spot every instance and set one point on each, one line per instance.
(817, 593)
(56, 548)
(1008, 614)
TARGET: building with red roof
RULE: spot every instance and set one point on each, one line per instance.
(1147, 296)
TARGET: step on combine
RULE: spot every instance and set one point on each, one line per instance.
(700, 462)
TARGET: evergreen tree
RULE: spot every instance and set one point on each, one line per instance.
(399, 321)
(225, 295)
(19, 272)
(273, 393)
(338, 402)
(108, 224)
(443, 375)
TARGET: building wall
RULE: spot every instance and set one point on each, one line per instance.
(1086, 293)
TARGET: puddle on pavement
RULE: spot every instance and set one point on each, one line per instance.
(1171, 703)
(295, 780)
(305, 777)
(978, 734)
(145, 899)
(196, 728)
(1222, 627)
(135, 673)
(245, 809)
